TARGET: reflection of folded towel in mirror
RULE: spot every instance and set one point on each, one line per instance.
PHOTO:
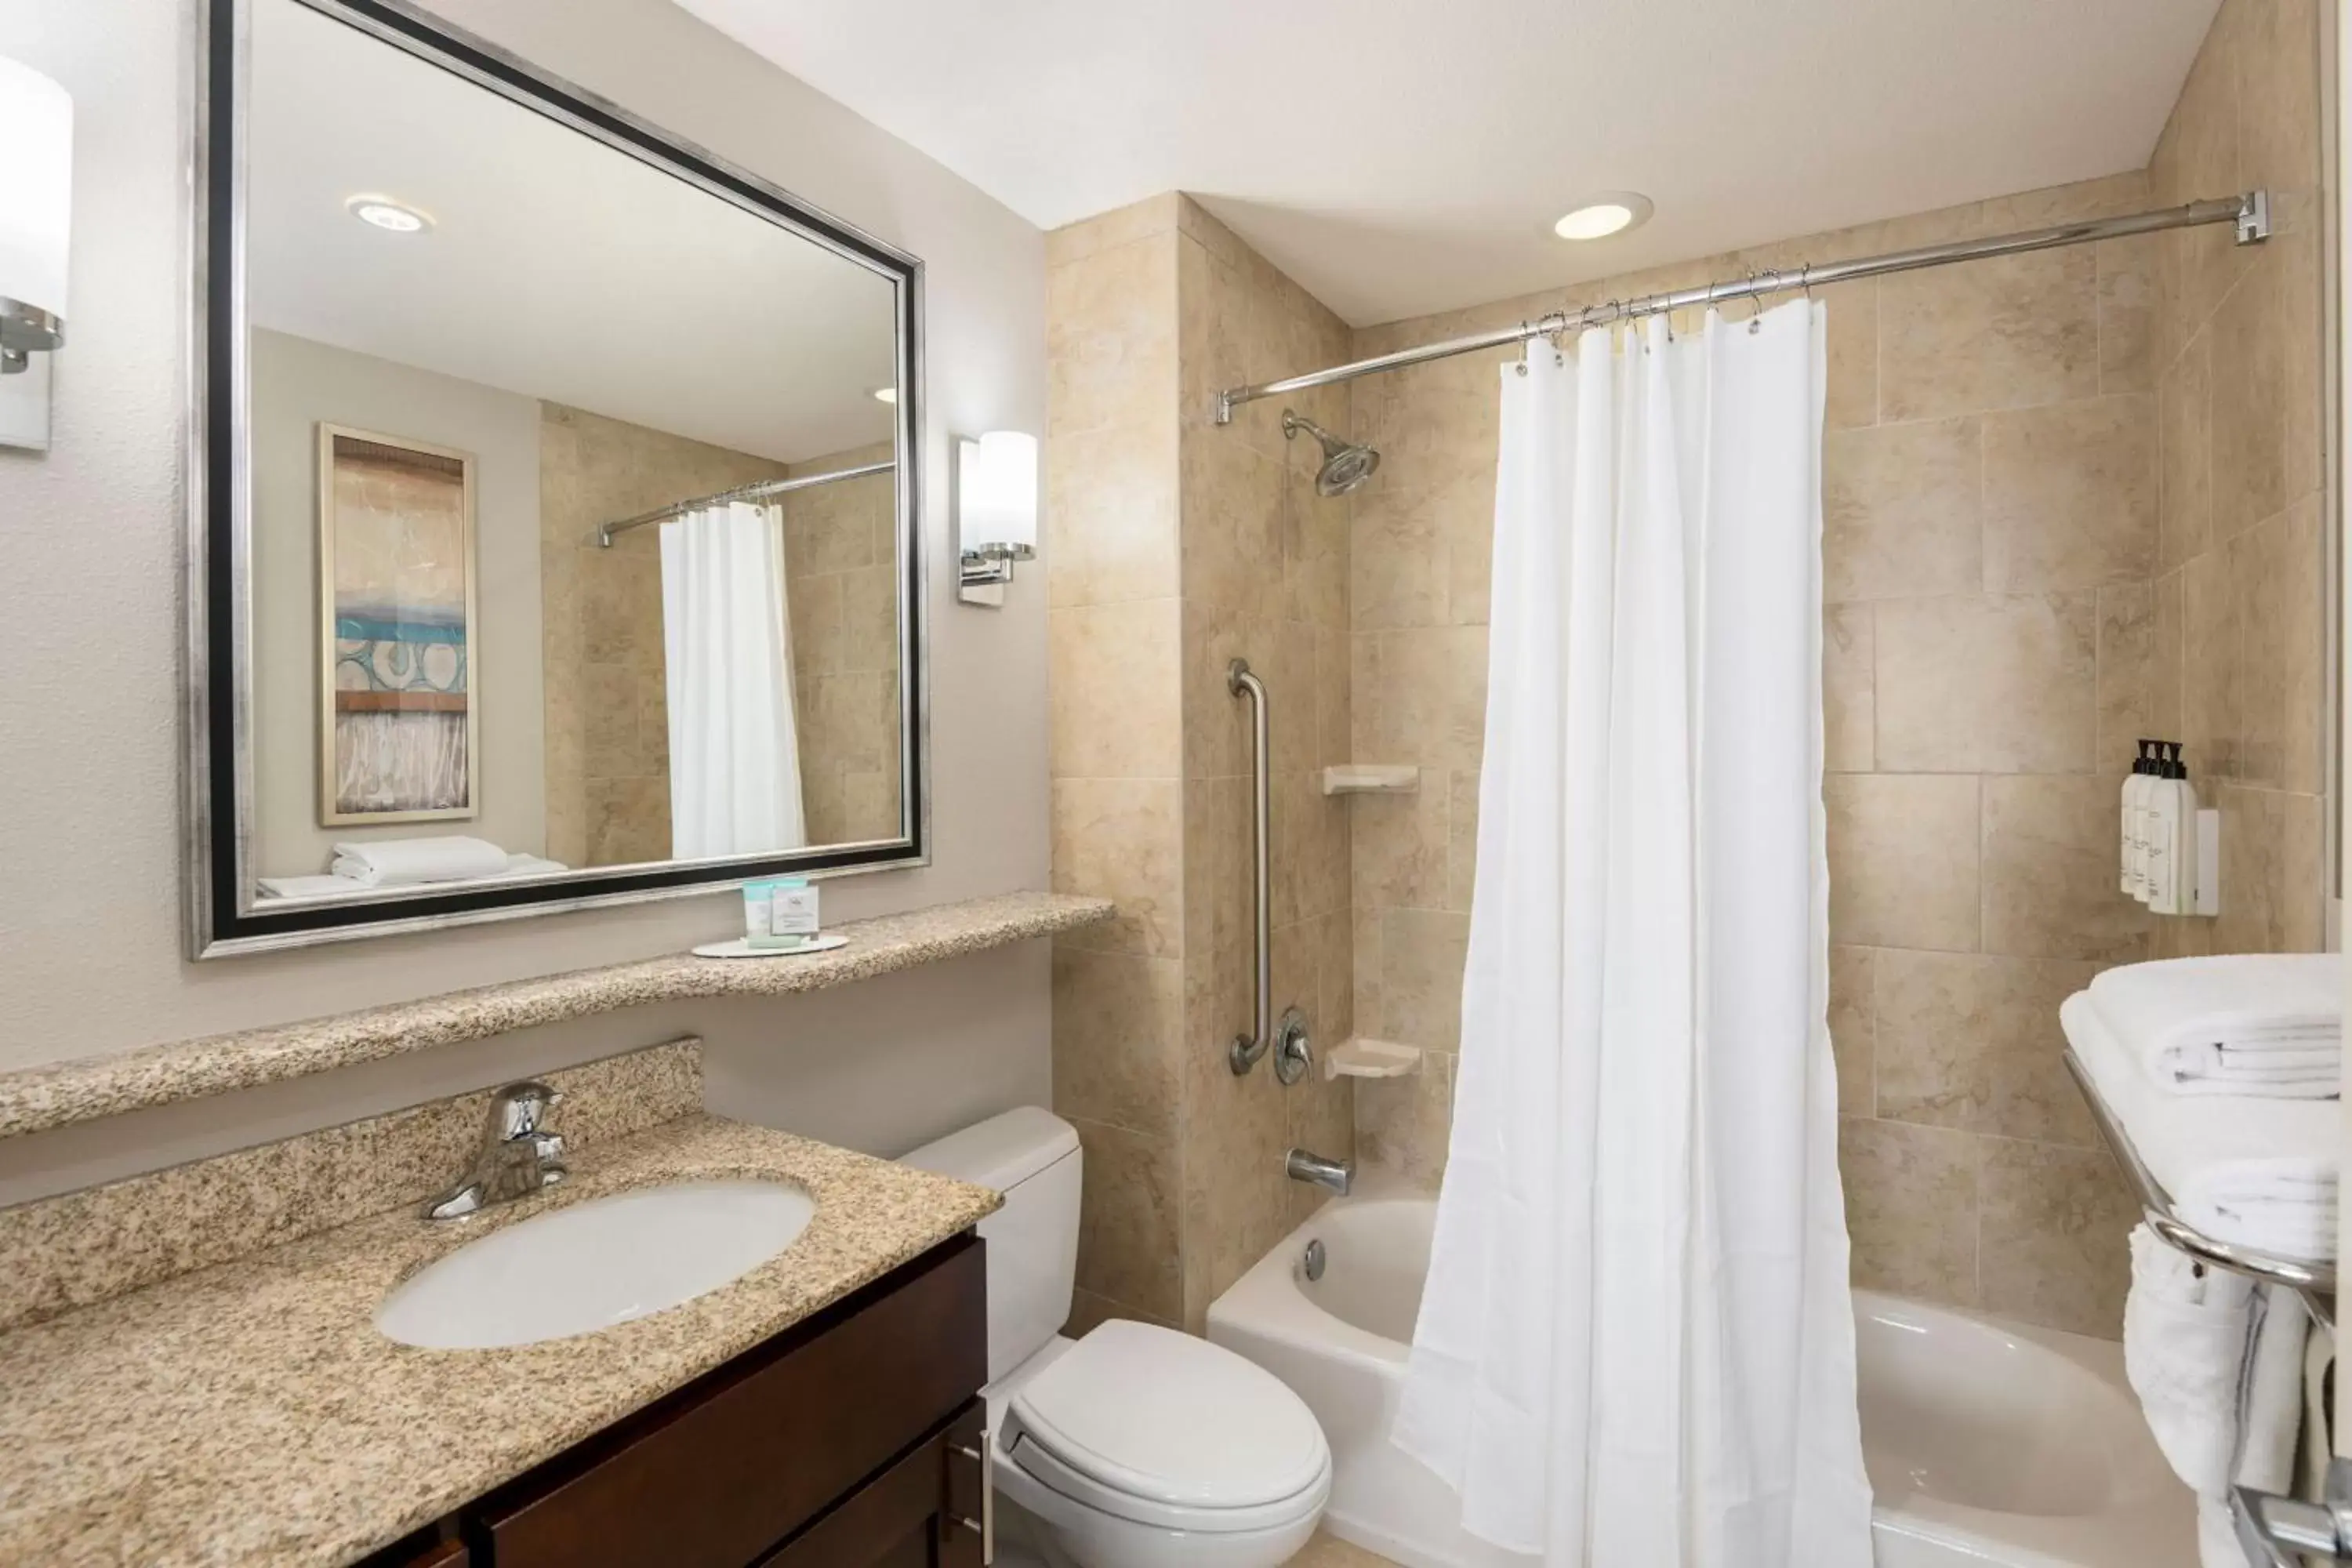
(409, 863)
(404, 862)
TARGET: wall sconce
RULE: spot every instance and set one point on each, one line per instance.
(35, 202)
(36, 206)
(997, 511)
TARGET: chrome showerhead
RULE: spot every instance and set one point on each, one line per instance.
(1345, 465)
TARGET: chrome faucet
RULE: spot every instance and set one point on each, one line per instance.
(1301, 1165)
(518, 1156)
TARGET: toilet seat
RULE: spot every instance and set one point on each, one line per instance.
(1166, 1430)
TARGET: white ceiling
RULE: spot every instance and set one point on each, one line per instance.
(1399, 157)
(557, 267)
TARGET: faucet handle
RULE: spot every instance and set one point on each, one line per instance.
(521, 1111)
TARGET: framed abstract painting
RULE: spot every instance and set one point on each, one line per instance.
(399, 729)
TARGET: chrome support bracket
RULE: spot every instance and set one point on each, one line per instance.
(2254, 217)
(2280, 1532)
(982, 573)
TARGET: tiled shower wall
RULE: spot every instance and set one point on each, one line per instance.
(2071, 499)
(1174, 548)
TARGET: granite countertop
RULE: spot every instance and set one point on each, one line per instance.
(251, 1413)
(38, 1098)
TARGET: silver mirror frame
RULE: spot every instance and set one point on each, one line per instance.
(222, 919)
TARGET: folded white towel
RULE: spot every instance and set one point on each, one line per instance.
(2256, 1024)
(407, 862)
(2258, 1171)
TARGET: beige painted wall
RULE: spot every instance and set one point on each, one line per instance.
(297, 383)
(1177, 549)
(90, 582)
(2071, 499)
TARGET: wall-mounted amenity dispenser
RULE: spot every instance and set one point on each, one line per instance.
(2169, 848)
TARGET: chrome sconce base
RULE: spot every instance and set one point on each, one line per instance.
(26, 331)
(983, 573)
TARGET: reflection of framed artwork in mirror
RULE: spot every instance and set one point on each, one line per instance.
(398, 722)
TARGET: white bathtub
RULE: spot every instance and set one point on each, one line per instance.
(1989, 1446)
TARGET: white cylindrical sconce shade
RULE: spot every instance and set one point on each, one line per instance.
(996, 491)
(35, 192)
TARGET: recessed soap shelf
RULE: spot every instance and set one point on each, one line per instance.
(1371, 778)
(1359, 1058)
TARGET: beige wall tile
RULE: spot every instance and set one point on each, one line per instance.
(2070, 495)
(1461, 840)
(1972, 1041)
(2273, 871)
(2250, 387)
(2277, 572)
(1128, 1211)
(1978, 683)
(1853, 1028)
(1990, 335)
(2053, 1246)
(2185, 454)
(2127, 308)
(2127, 674)
(1397, 566)
(1852, 396)
(1122, 839)
(1401, 844)
(1910, 1208)
(1112, 674)
(1901, 510)
(1903, 860)
(1422, 954)
(1402, 1124)
(2211, 721)
(2050, 872)
(1110, 338)
(1110, 514)
(1119, 1023)
(1427, 701)
(1849, 689)
(1232, 511)
(1120, 226)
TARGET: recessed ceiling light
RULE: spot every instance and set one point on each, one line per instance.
(1598, 217)
(386, 213)
(888, 395)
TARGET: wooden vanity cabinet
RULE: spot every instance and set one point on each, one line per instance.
(849, 1441)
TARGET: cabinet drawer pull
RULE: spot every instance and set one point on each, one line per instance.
(985, 1526)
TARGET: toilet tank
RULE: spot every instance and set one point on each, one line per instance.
(1031, 1155)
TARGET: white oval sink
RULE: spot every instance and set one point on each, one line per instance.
(595, 1264)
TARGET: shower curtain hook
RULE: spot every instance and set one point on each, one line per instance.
(1527, 342)
(1755, 300)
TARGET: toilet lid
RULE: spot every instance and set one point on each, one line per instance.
(1166, 1418)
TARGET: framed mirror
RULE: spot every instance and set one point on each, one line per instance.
(552, 530)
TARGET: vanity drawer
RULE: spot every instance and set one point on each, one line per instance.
(722, 1471)
(913, 1515)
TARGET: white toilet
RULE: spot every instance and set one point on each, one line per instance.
(1135, 1446)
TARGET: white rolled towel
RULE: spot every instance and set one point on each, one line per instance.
(2266, 1024)
(411, 862)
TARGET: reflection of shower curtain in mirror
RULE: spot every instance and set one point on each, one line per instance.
(734, 749)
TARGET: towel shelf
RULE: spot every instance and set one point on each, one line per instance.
(2315, 1282)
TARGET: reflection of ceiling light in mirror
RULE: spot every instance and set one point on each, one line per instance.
(386, 213)
(1597, 218)
(888, 395)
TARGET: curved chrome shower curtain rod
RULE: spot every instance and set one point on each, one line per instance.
(2250, 212)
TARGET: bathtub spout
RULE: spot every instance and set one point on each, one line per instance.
(1336, 1174)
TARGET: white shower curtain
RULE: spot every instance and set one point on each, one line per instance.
(734, 746)
(1636, 1349)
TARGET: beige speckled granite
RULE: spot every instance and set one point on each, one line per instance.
(42, 1098)
(250, 1414)
(83, 1247)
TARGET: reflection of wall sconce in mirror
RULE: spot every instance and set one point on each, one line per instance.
(997, 511)
(35, 202)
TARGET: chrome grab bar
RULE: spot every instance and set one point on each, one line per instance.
(1241, 681)
(2315, 1282)
(1291, 1053)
